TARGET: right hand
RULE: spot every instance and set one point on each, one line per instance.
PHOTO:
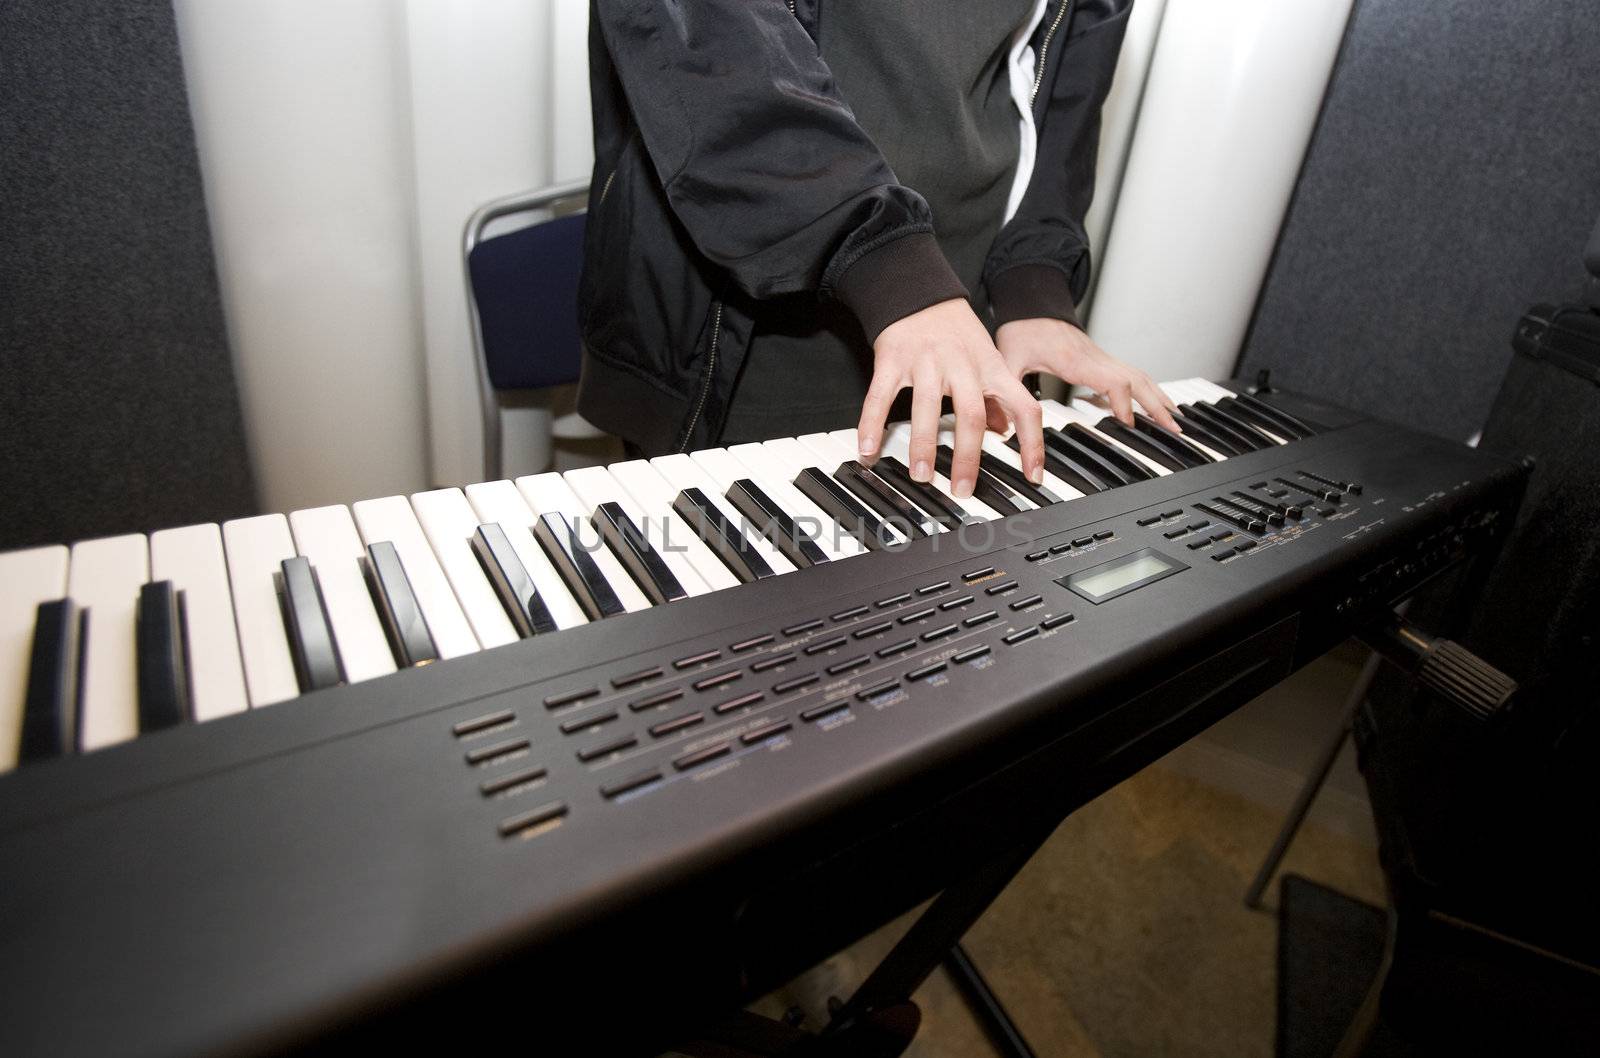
(945, 350)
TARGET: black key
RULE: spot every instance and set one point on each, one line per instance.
(1000, 470)
(939, 507)
(1240, 424)
(403, 623)
(1145, 446)
(505, 571)
(163, 662)
(765, 733)
(774, 523)
(890, 505)
(1065, 467)
(654, 577)
(1082, 464)
(1294, 424)
(844, 508)
(985, 488)
(1175, 443)
(1210, 436)
(1129, 467)
(579, 571)
(726, 540)
(1258, 416)
(1207, 417)
(51, 710)
(316, 658)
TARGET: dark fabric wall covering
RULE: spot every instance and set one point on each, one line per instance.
(118, 410)
(1451, 183)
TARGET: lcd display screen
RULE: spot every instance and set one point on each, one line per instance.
(1110, 579)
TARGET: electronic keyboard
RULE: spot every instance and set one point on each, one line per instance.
(745, 705)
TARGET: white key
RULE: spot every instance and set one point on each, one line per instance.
(652, 496)
(993, 445)
(550, 494)
(105, 577)
(256, 548)
(27, 578)
(191, 558)
(499, 501)
(793, 456)
(327, 536)
(595, 485)
(767, 471)
(1089, 415)
(392, 519)
(683, 472)
(897, 443)
(449, 522)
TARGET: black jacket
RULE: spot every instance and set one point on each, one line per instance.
(728, 170)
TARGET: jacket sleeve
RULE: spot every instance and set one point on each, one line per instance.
(764, 164)
(1039, 263)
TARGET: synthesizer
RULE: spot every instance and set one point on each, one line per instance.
(648, 737)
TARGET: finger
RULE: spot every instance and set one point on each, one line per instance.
(998, 419)
(1155, 404)
(926, 396)
(1120, 394)
(886, 385)
(1028, 418)
(970, 420)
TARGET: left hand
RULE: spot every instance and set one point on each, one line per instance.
(1058, 348)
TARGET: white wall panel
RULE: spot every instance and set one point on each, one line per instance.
(1229, 105)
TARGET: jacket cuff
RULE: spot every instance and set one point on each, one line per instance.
(890, 282)
(1032, 291)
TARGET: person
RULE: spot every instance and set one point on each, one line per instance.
(800, 210)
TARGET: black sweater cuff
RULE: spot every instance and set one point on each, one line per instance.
(890, 282)
(1032, 291)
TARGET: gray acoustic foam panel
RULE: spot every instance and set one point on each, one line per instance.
(1451, 183)
(118, 409)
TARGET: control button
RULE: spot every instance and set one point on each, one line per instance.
(869, 693)
(969, 654)
(1276, 494)
(771, 663)
(854, 611)
(499, 749)
(1244, 545)
(817, 712)
(794, 684)
(1327, 512)
(605, 749)
(1001, 589)
(702, 756)
(556, 701)
(927, 670)
(632, 678)
(975, 574)
(1295, 513)
(1173, 534)
(1061, 548)
(740, 702)
(584, 723)
(482, 723)
(846, 666)
(510, 828)
(897, 648)
(980, 619)
(929, 589)
(696, 659)
(1019, 635)
(827, 644)
(1222, 556)
(762, 734)
(1204, 523)
(920, 615)
(893, 600)
(632, 782)
(1172, 514)
(1152, 520)
(718, 680)
(661, 698)
(750, 644)
(1107, 534)
(873, 630)
(940, 633)
(677, 723)
(1023, 604)
(956, 604)
(1195, 545)
(1217, 538)
(1057, 621)
(1034, 556)
(802, 628)
(490, 787)
(1082, 541)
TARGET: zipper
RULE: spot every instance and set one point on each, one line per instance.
(711, 370)
(1044, 49)
(606, 190)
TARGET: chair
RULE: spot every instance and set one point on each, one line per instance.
(522, 298)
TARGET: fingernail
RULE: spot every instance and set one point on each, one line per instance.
(923, 471)
(1036, 475)
(963, 488)
(867, 445)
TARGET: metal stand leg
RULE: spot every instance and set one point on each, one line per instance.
(997, 1024)
(1313, 785)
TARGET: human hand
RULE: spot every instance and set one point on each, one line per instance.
(945, 350)
(1060, 349)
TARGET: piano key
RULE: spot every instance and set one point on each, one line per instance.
(192, 559)
(653, 496)
(1214, 411)
(897, 443)
(1143, 445)
(327, 537)
(845, 509)
(797, 544)
(643, 562)
(1244, 413)
(501, 502)
(410, 639)
(683, 471)
(771, 474)
(1209, 438)
(1285, 421)
(662, 530)
(986, 488)
(449, 523)
(572, 559)
(53, 698)
(1194, 446)
(939, 507)
(876, 493)
(1268, 417)
(550, 494)
(719, 533)
(163, 668)
(1085, 418)
(1063, 464)
(311, 639)
(996, 451)
(393, 520)
(1249, 440)
(255, 549)
(104, 577)
(1084, 461)
(27, 579)
(521, 600)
